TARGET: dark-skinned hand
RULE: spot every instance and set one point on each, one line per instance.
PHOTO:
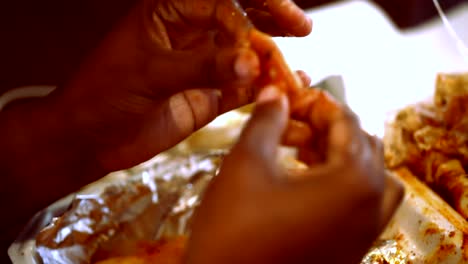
(257, 212)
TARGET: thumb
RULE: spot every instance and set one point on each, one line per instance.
(255, 152)
(263, 132)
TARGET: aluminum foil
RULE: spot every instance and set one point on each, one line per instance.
(386, 252)
(156, 201)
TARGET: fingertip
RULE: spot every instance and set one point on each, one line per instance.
(304, 28)
(268, 94)
(308, 25)
(272, 94)
(246, 64)
(233, 65)
(346, 137)
(304, 77)
(291, 17)
(263, 132)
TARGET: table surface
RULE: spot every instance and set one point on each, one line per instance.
(383, 68)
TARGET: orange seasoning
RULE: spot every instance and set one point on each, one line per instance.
(166, 251)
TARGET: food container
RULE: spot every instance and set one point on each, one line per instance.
(425, 226)
(426, 139)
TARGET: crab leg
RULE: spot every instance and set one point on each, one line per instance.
(310, 109)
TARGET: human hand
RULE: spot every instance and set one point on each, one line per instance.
(256, 212)
(166, 70)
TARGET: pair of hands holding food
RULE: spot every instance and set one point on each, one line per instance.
(255, 211)
(170, 67)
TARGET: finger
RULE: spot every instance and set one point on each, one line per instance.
(177, 71)
(231, 17)
(392, 197)
(298, 134)
(265, 22)
(305, 78)
(246, 65)
(290, 17)
(175, 120)
(235, 66)
(349, 145)
(204, 105)
(235, 97)
(262, 134)
(341, 143)
(346, 141)
(254, 4)
(336, 124)
(302, 103)
(321, 102)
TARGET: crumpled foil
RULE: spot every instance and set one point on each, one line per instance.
(386, 252)
(155, 202)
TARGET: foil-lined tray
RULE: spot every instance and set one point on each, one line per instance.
(150, 201)
(154, 202)
(156, 199)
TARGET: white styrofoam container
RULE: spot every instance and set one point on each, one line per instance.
(427, 228)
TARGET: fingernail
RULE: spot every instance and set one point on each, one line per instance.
(245, 65)
(309, 21)
(240, 68)
(268, 94)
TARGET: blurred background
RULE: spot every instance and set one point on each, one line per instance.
(404, 13)
(63, 31)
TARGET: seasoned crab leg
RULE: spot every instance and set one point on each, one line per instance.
(450, 175)
(309, 108)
